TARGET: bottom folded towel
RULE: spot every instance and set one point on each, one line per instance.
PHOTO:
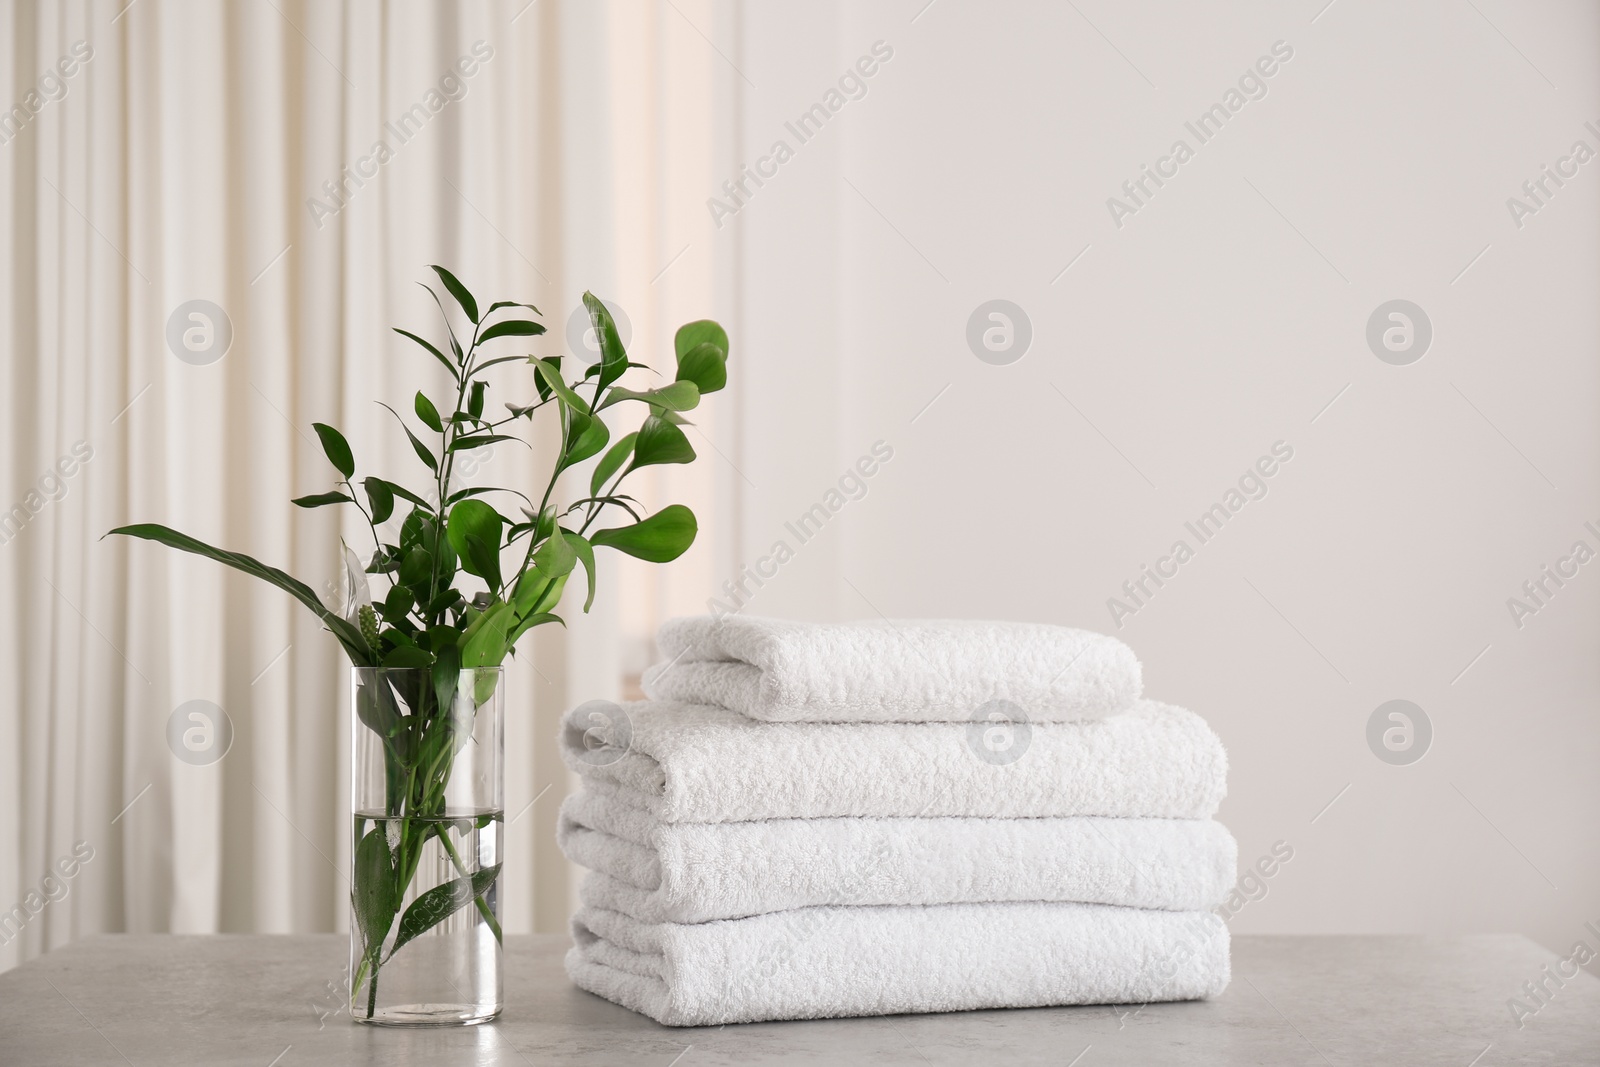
(823, 962)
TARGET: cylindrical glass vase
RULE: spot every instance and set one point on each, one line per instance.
(427, 792)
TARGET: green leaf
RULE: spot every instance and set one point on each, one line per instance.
(478, 440)
(549, 595)
(455, 345)
(475, 401)
(449, 600)
(422, 451)
(416, 570)
(420, 448)
(555, 558)
(459, 291)
(544, 522)
(407, 656)
(528, 622)
(319, 499)
(375, 707)
(404, 494)
(539, 587)
(336, 448)
(511, 328)
(479, 490)
(485, 562)
(374, 892)
(539, 380)
(660, 442)
(679, 396)
(397, 603)
(551, 374)
(448, 558)
(585, 553)
(446, 674)
(469, 519)
(441, 902)
(486, 364)
(662, 537)
(585, 437)
(440, 356)
(438, 638)
(621, 500)
(693, 334)
(411, 529)
(613, 357)
(385, 561)
(611, 462)
(483, 644)
(349, 636)
(428, 414)
(706, 366)
(593, 371)
(380, 494)
(498, 304)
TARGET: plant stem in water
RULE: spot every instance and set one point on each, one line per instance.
(455, 858)
(372, 992)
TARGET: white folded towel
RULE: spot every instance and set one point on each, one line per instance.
(698, 872)
(827, 962)
(883, 671)
(687, 763)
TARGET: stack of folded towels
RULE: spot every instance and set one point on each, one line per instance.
(807, 821)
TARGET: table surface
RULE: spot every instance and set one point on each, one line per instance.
(275, 1001)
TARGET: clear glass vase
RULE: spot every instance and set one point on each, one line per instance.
(427, 793)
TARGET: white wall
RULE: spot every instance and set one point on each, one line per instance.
(1222, 317)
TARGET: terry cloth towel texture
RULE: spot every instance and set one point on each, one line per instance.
(885, 671)
(690, 763)
(839, 961)
(699, 872)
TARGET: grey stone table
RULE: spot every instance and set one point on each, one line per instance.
(262, 1000)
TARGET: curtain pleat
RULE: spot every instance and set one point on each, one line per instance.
(214, 152)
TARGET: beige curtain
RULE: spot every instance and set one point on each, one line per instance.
(163, 153)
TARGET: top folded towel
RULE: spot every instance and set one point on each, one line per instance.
(891, 671)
